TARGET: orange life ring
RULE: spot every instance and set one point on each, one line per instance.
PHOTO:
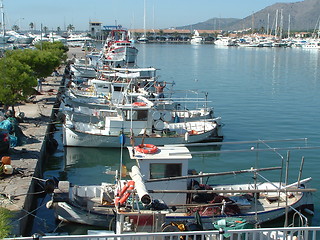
(139, 104)
(193, 132)
(147, 148)
(124, 193)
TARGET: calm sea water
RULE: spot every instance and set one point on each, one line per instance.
(260, 93)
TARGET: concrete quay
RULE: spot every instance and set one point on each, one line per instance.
(18, 191)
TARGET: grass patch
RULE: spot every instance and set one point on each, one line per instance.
(5, 227)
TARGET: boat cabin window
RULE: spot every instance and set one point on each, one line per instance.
(137, 115)
(163, 170)
(117, 89)
(102, 86)
(108, 114)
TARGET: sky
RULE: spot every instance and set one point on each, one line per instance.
(160, 14)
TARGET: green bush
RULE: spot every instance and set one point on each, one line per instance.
(20, 69)
(5, 227)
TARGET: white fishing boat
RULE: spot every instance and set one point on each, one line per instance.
(118, 87)
(160, 183)
(138, 119)
(118, 50)
(82, 68)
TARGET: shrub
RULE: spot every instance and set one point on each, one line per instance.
(5, 227)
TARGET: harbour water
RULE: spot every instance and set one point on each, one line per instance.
(260, 93)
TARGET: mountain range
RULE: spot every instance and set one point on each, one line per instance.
(296, 16)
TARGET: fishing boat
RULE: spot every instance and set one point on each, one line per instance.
(138, 120)
(93, 96)
(82, 68)
(118, 50)
(160, 181)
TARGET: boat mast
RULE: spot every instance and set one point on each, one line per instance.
(281, 24)
(2, 18)
(144, 20)
(276, 27)
(289, 25)
(268, 24)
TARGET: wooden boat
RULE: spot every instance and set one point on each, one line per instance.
(161, 183)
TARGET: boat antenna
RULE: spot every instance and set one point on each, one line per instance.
(122, 143)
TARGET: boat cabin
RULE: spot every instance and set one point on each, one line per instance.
(162, 164)
(126, 115)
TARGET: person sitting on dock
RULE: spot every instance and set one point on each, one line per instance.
(159, 89)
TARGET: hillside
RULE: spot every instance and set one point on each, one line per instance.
(212, 24)
(304, 15)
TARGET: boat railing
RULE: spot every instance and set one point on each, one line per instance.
(303, 219)
(297, 233)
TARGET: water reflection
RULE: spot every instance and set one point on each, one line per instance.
(93, 165)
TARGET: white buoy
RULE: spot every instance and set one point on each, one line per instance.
(7, 169)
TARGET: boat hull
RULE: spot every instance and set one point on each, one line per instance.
(126, 54)
(70, 213)
(74, 138)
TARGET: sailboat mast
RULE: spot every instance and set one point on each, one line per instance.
(289, 25)
(268, 25)
(144, 19)
(281, 24)
(276, 27)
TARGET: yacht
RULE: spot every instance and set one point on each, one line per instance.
(196, 38)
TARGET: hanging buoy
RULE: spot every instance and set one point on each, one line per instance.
(122, 139)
